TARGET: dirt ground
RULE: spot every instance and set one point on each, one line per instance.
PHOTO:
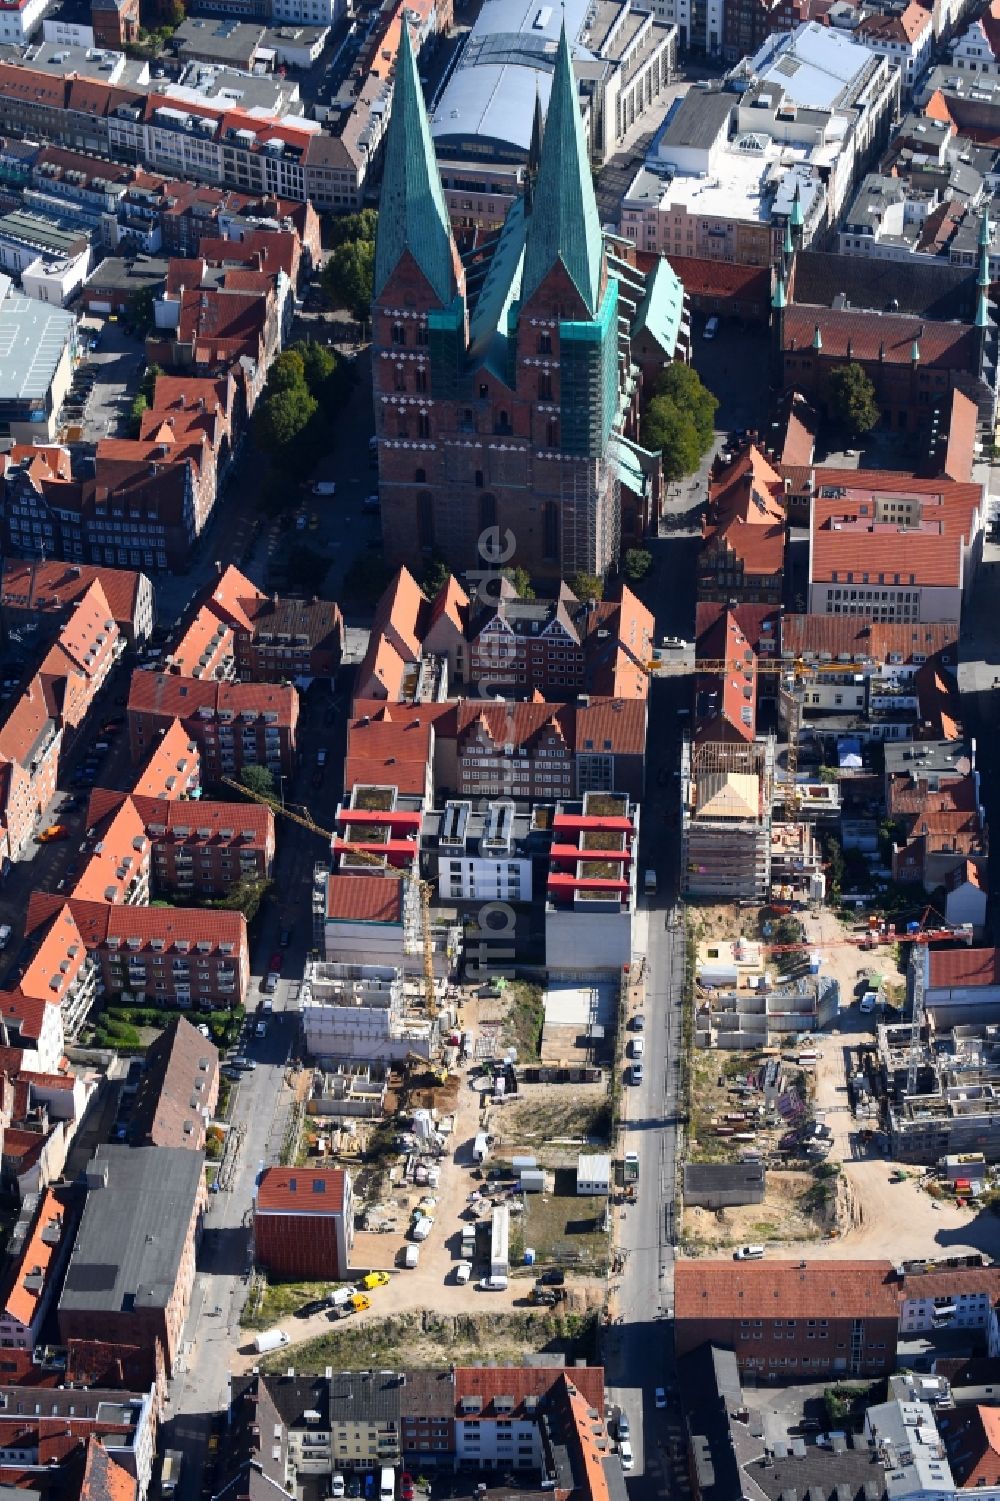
(786, 1213)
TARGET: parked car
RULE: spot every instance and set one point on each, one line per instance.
(275, 962)
(375, 1279)
(285, 937)
(625, 1455)
(660, 1398)
(554, 1277)
(53, 832)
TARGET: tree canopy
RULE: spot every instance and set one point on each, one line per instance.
(281, 417)
(349, 276)
(851, 398)
(680, 420)
(258, 779)
(587, 586)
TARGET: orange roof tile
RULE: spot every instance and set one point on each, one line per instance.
(27, 1283)
(964, 967)
(364, 899)
(170, 764)
(301, 1190)
(793, 1289)
(56, 586)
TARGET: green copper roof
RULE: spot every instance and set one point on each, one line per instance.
(983, 279)
(984, 229)
(412, 212)
(817, 338)
(662, 307)
(779, 300)
(564, 224)
(982, 312)
(797, 218)
(789, 246)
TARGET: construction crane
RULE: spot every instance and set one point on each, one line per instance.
(422, 889)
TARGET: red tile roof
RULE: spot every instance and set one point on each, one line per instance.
(181, 698)
(301, 1190)
(170, 765)
(364, 899)
(57, 586)
(20, 1300)
(791, 1289)
(519, 1382)
(943, 346)
(963, 967)
(98, 923)
(905, 27)
(847, 537)
(393, 751)
(861, 638)
(972, 1440)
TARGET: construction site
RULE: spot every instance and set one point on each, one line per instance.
(940, 1091)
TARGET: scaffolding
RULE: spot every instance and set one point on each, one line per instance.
(726, 833)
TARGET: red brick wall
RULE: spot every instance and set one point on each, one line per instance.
(294, 1245)
(776, 1349)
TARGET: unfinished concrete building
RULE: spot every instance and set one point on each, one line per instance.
(365, 1011)
(942, 1090)
(726, 796)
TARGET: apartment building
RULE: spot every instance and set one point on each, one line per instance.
(480, 854)
(592, 884)
(233, 724)
(77, 665)
(41, 596)
(791, 1321)
(893, 547)
(303, 1223)
(208, 847)
(175, 955)
(141, 1225)
(173, 769)
(178, 1090)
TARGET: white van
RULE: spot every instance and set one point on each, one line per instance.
(463, 1271)
(387, 1485)
(638, 1047)
(711, 328)
(749, 1253)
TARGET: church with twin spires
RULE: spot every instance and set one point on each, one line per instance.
(507, 380)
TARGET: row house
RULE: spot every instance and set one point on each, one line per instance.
(33, 1027)
(120, 1425)
(132, 513)
(35, 1269)
(743, 535)
(61, 974)
(76, 667)
(40, 595)
(118, 459)
(233, 724)
(117, 864)
(241, 632)
(30, 743)
(174, 955)
(209, 330)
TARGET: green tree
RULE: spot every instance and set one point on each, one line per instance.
(587, 586)
(682, 385)
(437, 575)
(637, 564)
(287, 373)
(175, 13)
(671, 430)
(360, 226)
(318, 363)
(135, 411)
(139, 311)
(349, 275)
(851, 400)
(279, 419)
(245, 897)
(521, 579)
(258, 779)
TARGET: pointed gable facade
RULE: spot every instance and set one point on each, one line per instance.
(506, 405)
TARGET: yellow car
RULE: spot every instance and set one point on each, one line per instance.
(375, 1279)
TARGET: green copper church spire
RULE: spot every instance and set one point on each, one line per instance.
(412, 211)
(564, 224)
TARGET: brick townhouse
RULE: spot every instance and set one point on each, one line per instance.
(178, 1090)
(119, 460)
(132, 1268)
(174, 955)
(233, 724)
(240, 632)
(303, 1224)
(743, 534)
(188, 407)
(115, 23)
(77, 664)
(118, 867)
(30, 742)
(197, 846)
(41, 595)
